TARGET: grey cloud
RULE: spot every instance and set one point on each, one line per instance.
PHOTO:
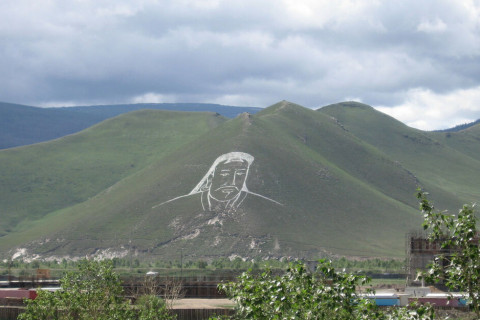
(264, 51)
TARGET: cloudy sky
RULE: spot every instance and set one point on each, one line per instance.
(416, 60)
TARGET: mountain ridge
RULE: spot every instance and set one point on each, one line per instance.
(24, 125)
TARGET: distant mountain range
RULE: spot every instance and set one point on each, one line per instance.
(285, 182)
(22, 125)
(460, 127)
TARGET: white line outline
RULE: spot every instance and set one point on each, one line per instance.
(204, 185)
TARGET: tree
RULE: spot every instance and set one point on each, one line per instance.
(92, 292)
(202, 264)
(460, 269)
(170, 289)
(151, 307)
(300, 294)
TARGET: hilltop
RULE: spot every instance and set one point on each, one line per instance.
(23, 125)
(336, 181)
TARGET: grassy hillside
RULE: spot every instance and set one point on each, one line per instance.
(466, 141)
(24, 125)
(338, 194)
(42, 178)
(450, 172)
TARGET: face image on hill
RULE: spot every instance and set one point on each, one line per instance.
(224, 187)
(285, 182)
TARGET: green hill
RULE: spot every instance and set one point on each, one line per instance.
(466, 141)
(45, 177)
(447, 171)
(23, 125)
(338, 181)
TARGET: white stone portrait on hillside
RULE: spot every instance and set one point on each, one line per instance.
(224, 188)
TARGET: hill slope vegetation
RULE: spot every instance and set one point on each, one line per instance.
(42, 178)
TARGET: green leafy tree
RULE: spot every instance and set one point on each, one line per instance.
(460, 268)
(300, 294)
(92, 292)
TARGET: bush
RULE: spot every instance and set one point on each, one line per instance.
(151, 307)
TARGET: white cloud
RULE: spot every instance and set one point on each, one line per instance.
(432, 26)
(426, 110)
(238, 100)
(325, 13)
(152, 97)
(58, 104)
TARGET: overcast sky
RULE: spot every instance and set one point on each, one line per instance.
(416, 60)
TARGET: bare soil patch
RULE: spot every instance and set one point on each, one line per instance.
(203, 304)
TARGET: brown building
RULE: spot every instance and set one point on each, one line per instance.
(421, 252)
(43, 274)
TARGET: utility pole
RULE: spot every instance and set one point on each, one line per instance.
(9, 272)
(181, 263)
